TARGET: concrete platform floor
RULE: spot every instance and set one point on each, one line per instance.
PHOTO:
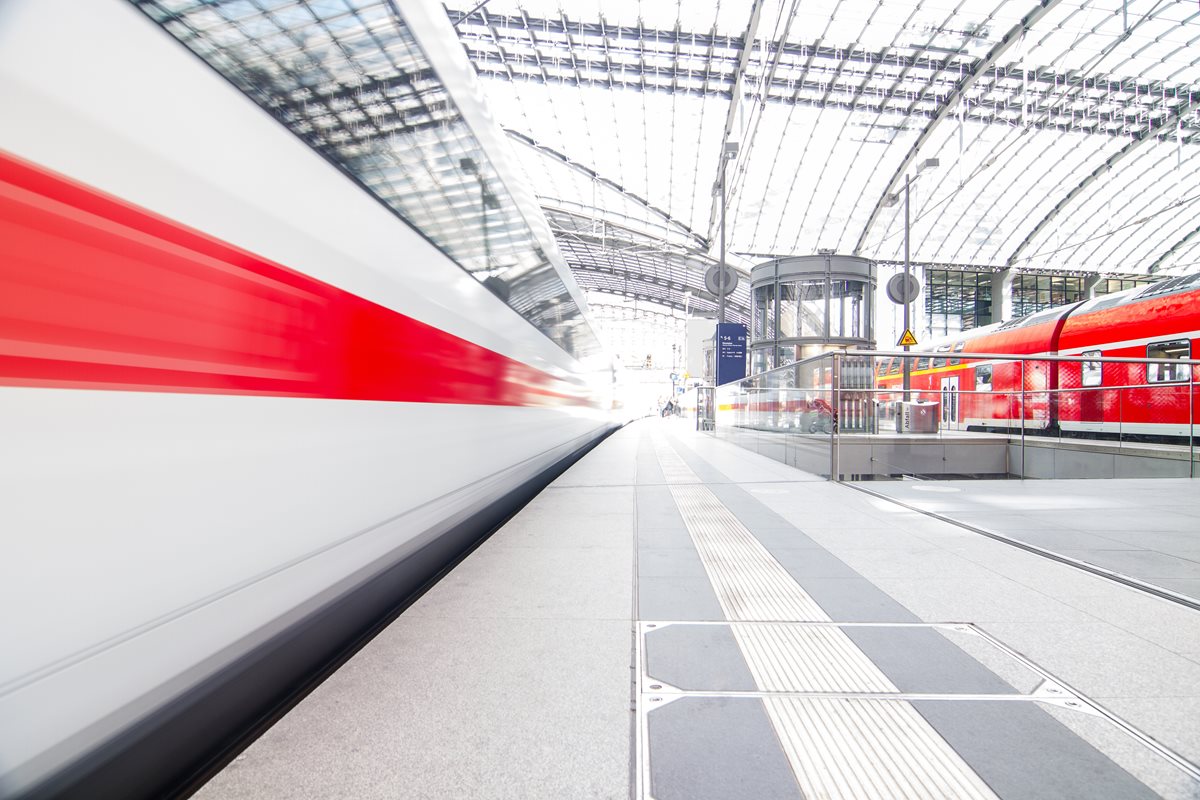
(676, 617)
(1148, 529)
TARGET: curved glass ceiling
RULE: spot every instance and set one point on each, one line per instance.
(1066, 133)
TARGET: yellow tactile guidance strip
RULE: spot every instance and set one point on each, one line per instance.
(837, 747)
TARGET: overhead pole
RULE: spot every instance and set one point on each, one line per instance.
(736, 90)
(910, 292)
(721, 282)
(907, 299)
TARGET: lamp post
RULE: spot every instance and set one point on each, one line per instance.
(728, 153)
(907, 283)
(910, 290)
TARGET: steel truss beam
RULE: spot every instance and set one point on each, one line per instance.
(998, 104)
(736, 91)
(664, 278)
(1099, 172)
(939, 80)
(926, 86)
(701, 302)
(962, 86)
(592, 174)
(1175, 248)
(656, 269)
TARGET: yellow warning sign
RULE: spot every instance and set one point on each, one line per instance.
(907, 340)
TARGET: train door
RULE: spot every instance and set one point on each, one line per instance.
(1092, 393)
(950, 402)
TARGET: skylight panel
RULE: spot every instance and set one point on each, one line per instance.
(1139, 203)
(726, 18)
(663, 15)
(841, 116)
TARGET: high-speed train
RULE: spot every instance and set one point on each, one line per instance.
(1158, 321)
(281, 334)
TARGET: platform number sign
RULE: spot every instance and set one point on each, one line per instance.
(731, 352)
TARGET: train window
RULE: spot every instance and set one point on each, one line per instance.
(1013, 323)
(1168, 373)
(983, 378)
(1171, 285)
(923, 363)
(1091, 372)
(1046, 315)
(941, 362)
(958, 348)
(894, 367)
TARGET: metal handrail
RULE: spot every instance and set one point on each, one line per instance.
(1002, 356)
(973, 357)
(934, 390)
(836, 358)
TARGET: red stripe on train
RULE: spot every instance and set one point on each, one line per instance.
(97, 293)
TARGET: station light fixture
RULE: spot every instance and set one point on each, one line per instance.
(729, 152)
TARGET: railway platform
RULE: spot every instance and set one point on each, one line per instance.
(676, 617)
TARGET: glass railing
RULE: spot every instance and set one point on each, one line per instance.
(872, 415)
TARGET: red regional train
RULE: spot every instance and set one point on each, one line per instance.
(1084, 398)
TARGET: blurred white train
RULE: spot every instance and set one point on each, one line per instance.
(281, 334)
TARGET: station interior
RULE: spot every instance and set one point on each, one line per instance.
(635, 399)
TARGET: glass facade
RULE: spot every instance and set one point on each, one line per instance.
(764, 309)
(804, 305)
(351, 81)
(847, 306)
(813, 309)
(957, 300)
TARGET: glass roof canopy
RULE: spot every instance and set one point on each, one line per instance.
(1066, 132)
(356, 82)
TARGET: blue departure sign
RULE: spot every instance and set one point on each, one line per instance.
(731, 352)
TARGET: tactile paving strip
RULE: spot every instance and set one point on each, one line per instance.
(749, 582)
(869, 747)
(752, 585)
(788, 658)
